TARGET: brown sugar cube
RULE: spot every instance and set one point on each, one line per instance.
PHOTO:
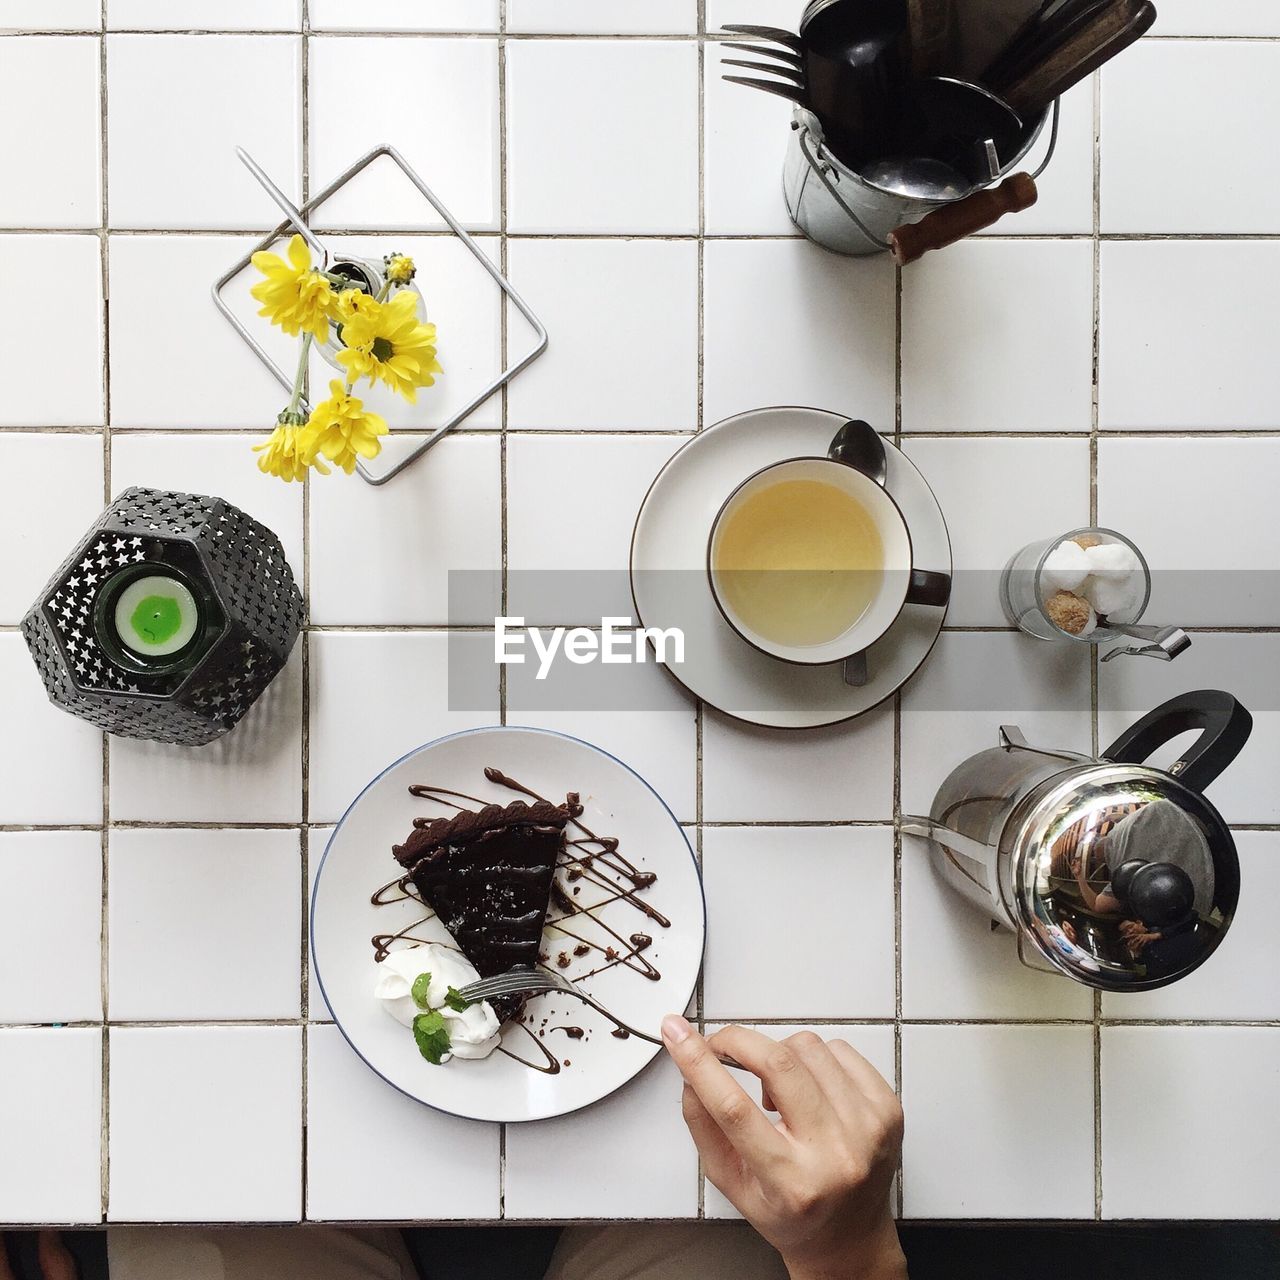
(1068, 611)
(1087, 540)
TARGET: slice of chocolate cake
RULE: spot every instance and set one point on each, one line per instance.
(488, 876)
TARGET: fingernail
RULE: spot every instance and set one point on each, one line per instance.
(675, 1029)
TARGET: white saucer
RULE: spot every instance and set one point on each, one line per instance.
(720, 667)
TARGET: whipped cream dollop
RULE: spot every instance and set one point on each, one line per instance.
(474, 1032)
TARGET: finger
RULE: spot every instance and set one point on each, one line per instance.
(870, 1083)
(788, 1082)
(720, 1162)
(743, 1123)
(846, 1099)
(56, 1263)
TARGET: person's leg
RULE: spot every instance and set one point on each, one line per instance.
(257, 1253)
(665, 1251)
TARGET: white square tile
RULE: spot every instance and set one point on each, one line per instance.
(594, 1152)
(998, 336)
(232, 898)
(50, 887)
(556, 574)
(612, 17)
(404, 15)
(376, 697)
(34, 735)
(602, 135)
(175, 361)
(51, 15)
(1237, 94)
(623, 315)
(1065, 205)
(220, 465)
(1179, 335)
(745, 142)
(355, 1120)
(36, 533)
(51, 1102)
(873, 1043)
(975, 682)
(985, 535)
(838, 774)
(366, 542)
(53, 164)
(465, 305)
(435, 100)
(789, 323)
(69, 304)
(316, 840)
(1244, 665)
(1218, 1159)
(954, 965)
(206, 1124)
(1223, 18)
(771, 13)
(1237, 981)
(836, 886)
(635, 712)
(204, 15)
(171, 160)
(1165, 493)
(254, 774)
(973, 1095)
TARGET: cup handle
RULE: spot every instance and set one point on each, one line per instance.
(855, 670)
(928, 587)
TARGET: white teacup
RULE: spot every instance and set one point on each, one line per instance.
(883, 591)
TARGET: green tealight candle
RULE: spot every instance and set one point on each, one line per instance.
(156, 616)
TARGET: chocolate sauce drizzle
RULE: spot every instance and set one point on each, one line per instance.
(586, 859)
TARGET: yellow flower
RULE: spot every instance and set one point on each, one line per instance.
(353, 303)
(289, 450)
(400, 268)
(341, 429)
(294, 296)
(388, 343)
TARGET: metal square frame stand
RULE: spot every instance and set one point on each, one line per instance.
(296, 218)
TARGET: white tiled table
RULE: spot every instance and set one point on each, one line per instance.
(1111, 354)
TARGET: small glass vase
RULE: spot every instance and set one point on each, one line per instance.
(369, 274)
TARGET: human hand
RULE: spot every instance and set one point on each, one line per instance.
(56, 1263)
(816, 1185)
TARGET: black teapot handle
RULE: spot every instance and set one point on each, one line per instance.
(1224, 724)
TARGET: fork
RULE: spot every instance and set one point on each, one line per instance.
(784, 46)
(530, 981)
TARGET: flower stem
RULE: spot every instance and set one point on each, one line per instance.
(302, 372)
(382, 293)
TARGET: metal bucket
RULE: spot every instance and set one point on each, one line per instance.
(836, 208)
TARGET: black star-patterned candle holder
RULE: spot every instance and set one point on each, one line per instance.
(168, 620)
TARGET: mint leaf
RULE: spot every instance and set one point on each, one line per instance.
(456, 1001)
(432, 1036)
(419, 990)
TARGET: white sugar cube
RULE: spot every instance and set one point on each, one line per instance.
(1065, 567)
(1111, 560)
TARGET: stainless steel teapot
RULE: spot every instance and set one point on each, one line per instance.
(1112, 872)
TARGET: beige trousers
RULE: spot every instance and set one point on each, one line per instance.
(630, 1251)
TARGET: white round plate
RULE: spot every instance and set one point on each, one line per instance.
(617, 802)
(720, 667)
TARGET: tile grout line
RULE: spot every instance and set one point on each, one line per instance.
(699, 707)
(504, 404)
(304, 833)
(1094, 665)
(104, 929)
